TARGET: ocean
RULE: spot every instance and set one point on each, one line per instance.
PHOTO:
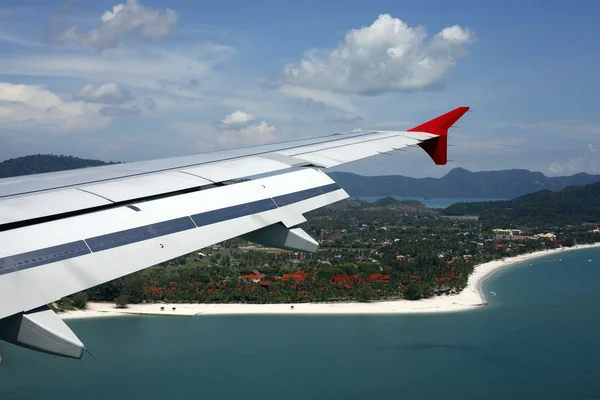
(537, 339)
(439, 202)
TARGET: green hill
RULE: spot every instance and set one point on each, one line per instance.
(39, 163)
(574, 204)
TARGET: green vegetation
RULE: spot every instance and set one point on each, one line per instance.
(66, 303)
(39, 163)
(80, 300)
(575, 204)
(121, 301)
(368, 252)
(387, 201)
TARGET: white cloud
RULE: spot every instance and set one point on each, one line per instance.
(295, 121)
(331, 99)
(249, 135)
(314, 104)
(568, 129)
(388, 56)
(344, 117)
(467, 143)
(192, 84)
(393, 125)
(235, 120)
(107, 93)
(184, 89)
(236, 130)
(574, 165)
(150, 103)
(587, 162)
(32, 107)
(117, 112)
(18, 41)
(131, 19)
(142, 67)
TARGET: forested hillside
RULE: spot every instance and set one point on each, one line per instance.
(39, 163)
(574, 204)
(460, 182)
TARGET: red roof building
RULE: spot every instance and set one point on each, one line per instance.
(380, 278)
(254, 277)
(297, 276)
(344, 278)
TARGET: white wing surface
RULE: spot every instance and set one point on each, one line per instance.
(64, 232)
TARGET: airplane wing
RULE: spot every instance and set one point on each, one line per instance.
(68, 231)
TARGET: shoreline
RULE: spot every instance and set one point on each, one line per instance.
(471, 297)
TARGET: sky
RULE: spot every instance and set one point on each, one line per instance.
(146, 79)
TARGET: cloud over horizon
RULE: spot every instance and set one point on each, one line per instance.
(587, 162)
(33, 107)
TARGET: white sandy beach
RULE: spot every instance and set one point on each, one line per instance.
(470, 298)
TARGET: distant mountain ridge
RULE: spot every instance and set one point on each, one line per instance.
(460, 182)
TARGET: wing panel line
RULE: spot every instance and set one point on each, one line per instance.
(43, 256)
(295, 197)
(134, 235)
(237, 211)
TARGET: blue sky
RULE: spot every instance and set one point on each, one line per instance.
(152, 79)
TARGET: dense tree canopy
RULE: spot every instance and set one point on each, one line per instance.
(575, 204)
(39, 163)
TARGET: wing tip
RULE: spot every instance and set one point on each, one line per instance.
(440, 125)
(437, 147)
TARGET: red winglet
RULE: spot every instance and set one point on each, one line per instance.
(437, 148)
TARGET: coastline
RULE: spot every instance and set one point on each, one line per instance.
(471, 297)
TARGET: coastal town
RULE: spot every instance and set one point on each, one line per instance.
(379, 252)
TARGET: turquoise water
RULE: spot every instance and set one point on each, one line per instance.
(538, 338)
(440, 202)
